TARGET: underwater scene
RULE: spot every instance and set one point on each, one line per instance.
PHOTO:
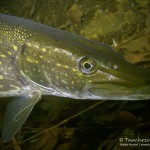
(74, 74)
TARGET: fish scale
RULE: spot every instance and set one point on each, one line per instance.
(38, 60)
(8, 71)
(9, 43)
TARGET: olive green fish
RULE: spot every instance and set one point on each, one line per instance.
(38, 60)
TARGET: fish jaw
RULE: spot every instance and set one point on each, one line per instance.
(116, 92)
(108, 84)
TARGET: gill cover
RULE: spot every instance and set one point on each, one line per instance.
(30, 66)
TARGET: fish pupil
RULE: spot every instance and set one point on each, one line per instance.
(87, 66)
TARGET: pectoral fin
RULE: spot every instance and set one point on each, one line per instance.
(17, 112)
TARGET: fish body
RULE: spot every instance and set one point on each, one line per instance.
(38, 60)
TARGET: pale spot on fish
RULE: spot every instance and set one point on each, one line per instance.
(58, 64)
(115, 66)
(28, 44)
(43, 49)
(1, 77)
(1, 86)
(1, 69)
(36, 46)
(74, 70)
(66, 67)
(13, 86)
(66, 74)
(41, 56)
(67, 88)
(41, 80)
(9, 68)
(63, 81)
(9, 53)
(80, 74)
(3, 56)
(32, 60)
(15, 47)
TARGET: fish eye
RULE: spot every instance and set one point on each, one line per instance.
(87, 65)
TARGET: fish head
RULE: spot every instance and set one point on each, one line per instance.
(82, 69)
(96, 71)
(110, 77)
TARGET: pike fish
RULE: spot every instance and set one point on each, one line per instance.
(38, 60)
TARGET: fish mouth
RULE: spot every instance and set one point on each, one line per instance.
(114, 91)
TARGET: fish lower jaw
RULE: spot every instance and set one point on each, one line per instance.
(117, 96)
